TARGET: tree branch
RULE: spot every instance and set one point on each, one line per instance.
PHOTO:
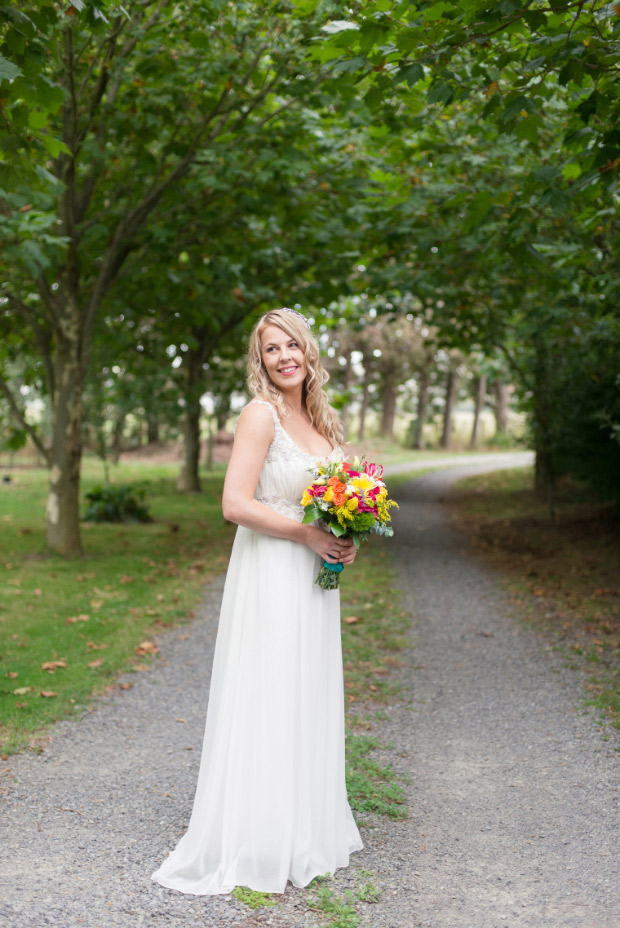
(19, 416)
(42, 337)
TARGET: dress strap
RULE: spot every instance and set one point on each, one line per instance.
(276, 418)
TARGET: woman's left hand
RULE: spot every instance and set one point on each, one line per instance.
(350, 553)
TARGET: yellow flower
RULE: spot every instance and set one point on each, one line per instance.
(306, 499)
(382, 493)
(328, 496)
(363, 482)
(352, 504)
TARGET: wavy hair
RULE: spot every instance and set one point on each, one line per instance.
(260, 386)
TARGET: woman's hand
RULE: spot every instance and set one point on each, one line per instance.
(331, 549)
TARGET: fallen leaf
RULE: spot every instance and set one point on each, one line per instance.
(126, 579)
(91, 646)
(180, 720)
(71, 619)
(96, 663)
(371, 687)
(37, 592)
(125, 686)
(12, 674)
(96, 603)
(47, 694)
(21, 705)
(146, 647)
(539, 592)
(51, 666)
(182, 637)
(22, 690)
(350, 619)
(83, 617)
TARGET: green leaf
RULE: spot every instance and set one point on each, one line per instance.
(411, 74)
(515, 106)
(440, 92)
(338, 25)
(54, 146)
(437, 10)
(571, 171)
(337, 529)
(8, 70)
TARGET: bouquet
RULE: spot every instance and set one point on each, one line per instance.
(352, 500)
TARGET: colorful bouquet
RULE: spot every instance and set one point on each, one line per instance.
(352, 500)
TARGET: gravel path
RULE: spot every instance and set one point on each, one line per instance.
(514, 795)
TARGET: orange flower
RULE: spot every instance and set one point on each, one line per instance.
(338, 485)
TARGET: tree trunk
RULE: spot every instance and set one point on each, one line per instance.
(63, 502)
(451, 393)
(389, 406)
(424, 383)
(502, 396)
(346, 385)
(364, 404)
(152, 427)
(480, 398)
(544, 471)
(117, 435)
(222, 410)
(189, 480)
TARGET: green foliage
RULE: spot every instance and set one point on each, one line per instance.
(253, 898)
(339, 910)
(116, 503)
(371, 786)
(585, 398)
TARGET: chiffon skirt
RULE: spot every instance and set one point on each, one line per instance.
(271, 802)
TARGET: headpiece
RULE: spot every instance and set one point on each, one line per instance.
(287, 309)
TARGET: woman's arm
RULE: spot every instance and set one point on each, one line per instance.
(255, 431)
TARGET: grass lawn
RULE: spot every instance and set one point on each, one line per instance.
(68, 628)
(564, 575)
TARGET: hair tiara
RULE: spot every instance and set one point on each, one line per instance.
(287, 309)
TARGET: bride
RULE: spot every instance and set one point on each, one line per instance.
(271, 802)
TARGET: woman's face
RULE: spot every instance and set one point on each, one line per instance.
(283, 358)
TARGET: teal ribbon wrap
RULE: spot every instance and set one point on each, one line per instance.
(335, 568)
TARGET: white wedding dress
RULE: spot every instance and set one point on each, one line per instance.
(271, 802)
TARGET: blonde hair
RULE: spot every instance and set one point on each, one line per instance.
(322, 416)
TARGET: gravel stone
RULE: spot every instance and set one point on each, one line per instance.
(514, 802)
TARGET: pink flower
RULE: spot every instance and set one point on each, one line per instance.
(373, 470)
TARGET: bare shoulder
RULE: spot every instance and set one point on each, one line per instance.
(256, 422)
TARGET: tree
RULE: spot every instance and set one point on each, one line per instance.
(118, 108)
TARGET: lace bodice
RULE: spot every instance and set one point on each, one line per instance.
(285, 472)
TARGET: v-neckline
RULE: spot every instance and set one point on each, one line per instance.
(310, 454)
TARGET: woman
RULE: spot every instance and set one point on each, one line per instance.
(271, 802)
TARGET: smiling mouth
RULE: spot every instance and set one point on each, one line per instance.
(287, 370)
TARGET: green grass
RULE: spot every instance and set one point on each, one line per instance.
(253, 898)
(563, 575)
(338, 910)
(374, 633)
(90, 616)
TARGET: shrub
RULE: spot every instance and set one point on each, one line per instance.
(120, 503)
